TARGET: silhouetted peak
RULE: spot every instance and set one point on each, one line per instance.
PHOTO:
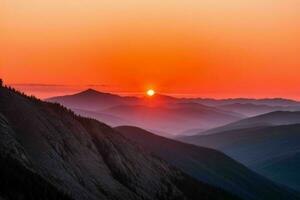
(90, 91)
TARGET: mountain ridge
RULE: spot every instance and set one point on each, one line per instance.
(130, 108)
(273, 151)
(204, 164)
(267, 119)
(86, 159)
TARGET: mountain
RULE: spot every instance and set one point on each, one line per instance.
(161, 113)
(190, 132)
(273, 151)
(172, 118)
(18, 180)
(206, 165)
(268, 119)
(268, 102)
(92, 100)
(47, 152)
(250, 109)
(106, 118)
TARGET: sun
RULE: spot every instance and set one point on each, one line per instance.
(150, 92)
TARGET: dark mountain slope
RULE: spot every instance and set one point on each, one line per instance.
(82, 158)
(19, 182)
(206, 165)
(271, 151)
(17, 179)
(283, 169)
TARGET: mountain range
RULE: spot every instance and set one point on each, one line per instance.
(48, 152)
(266, 101)
(251, 109)
(161, 113)
(268, 119)
(268, 144)
(169, 116)
(206, 165)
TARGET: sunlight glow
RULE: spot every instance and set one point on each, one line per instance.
(150, 92)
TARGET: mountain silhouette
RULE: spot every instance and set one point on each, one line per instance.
(92, 100)
(161, 113)
(50, 153)
(272, 151)
(268, 119)
(250, 109)
(206, 165)
(268, 101)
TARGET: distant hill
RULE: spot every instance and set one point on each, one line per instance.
(47, 152)
(190, 132)
(273, 151)
(250, 109)
(162, 113)
(92, 100)
(268, 102)
(269, 119)
(108, 119)
(172, 118)
(205, 165)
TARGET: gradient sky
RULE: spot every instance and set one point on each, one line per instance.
(209, 48)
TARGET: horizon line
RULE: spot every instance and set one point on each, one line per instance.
(181, 95)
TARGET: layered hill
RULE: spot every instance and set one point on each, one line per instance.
(206, 165)
(268, 119)
(92, 100)
(273, 151)
(161, 113)
(47, 152)
(267, 101)
(251, 109)
(106, 118)
(172, 119)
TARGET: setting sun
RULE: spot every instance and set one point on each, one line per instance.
(150, 92)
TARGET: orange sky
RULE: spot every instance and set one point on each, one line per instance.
(210, 48)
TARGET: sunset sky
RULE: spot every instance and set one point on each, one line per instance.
(208, 48)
